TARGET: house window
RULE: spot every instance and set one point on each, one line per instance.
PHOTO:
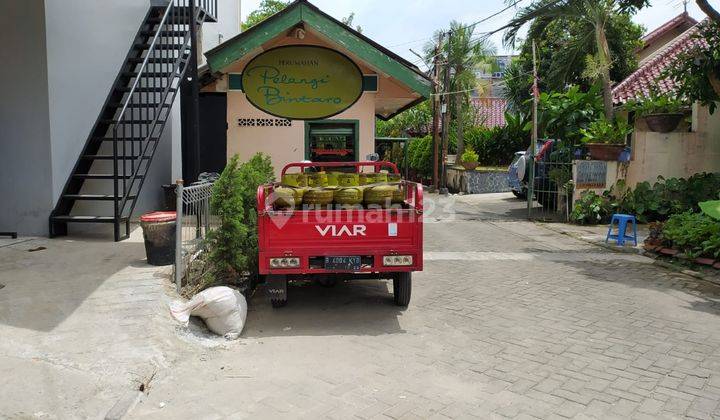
(331, 141)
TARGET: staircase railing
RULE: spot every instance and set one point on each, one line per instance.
(147, 99)
(209, 6)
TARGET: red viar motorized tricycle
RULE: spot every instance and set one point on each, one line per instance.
(332, 242)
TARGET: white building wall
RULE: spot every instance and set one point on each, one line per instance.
(25, 166)
(60, 60)
(87, 42)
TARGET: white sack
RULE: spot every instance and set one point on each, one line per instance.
(223, 309)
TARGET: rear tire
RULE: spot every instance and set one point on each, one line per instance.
(327, 282)
(402, 288)
(520, 195)
(278, 303)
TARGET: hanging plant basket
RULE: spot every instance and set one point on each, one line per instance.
(603, 151)
(663, 123)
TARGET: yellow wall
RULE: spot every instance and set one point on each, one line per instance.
(659, 43)
(287, 144)
(676, 154)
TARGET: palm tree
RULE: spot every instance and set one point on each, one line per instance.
(464, 54)
(712, 13)
(595, 13)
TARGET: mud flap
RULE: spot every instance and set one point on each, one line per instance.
(276, 288)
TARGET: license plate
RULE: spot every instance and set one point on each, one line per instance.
(342, 263)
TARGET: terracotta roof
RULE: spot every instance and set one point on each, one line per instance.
(676, 22)
(638, 84)
(489, 112)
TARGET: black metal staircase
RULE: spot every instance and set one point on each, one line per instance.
(119, 150)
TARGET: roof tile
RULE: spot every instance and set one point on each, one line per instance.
(638, 84)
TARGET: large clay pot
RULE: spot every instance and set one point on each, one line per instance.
(470, 166)
(602, 151)
(663, 123)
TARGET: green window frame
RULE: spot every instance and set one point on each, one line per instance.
(356, 134)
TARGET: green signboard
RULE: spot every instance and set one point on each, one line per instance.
(302, 82)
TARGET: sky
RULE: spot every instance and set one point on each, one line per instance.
(402, 25)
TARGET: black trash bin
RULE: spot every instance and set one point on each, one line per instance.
(159, 234)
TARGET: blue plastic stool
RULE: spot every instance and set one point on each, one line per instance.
(622, 222)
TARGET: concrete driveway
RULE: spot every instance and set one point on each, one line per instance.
(508, 319)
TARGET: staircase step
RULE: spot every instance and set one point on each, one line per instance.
(164, 46)
(164, 33)
(127, 121)
(104, 176)
(156, 60)
(148, 74)
(150, 106)
(97, 197)
(87, 219)
(138, 139)
(145, 89)
(110, 157)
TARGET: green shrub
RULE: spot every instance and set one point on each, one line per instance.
(469, 156)
(592, 209)
(562, 115)
(497, 146)
(233, 245)
(666, 197)
(420, 155)
(695, 234)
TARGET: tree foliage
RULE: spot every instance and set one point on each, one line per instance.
(464, 53)
(413, 122)
(233, 245)
(497, 146)
(266, 9)
(576, 39)
(695, 70)
(563, 115)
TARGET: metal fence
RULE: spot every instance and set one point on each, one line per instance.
(195, 219)
(550, 191)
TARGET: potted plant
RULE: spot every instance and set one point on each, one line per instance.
(605, 139)
(469, 159)
(662, 113)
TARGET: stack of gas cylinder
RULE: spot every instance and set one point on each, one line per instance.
(339, 190)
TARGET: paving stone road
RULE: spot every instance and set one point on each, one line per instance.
(508, 320)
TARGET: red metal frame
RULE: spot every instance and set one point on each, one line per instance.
(332, 152)
(329, 232)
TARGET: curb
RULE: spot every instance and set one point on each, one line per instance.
(639, 251)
